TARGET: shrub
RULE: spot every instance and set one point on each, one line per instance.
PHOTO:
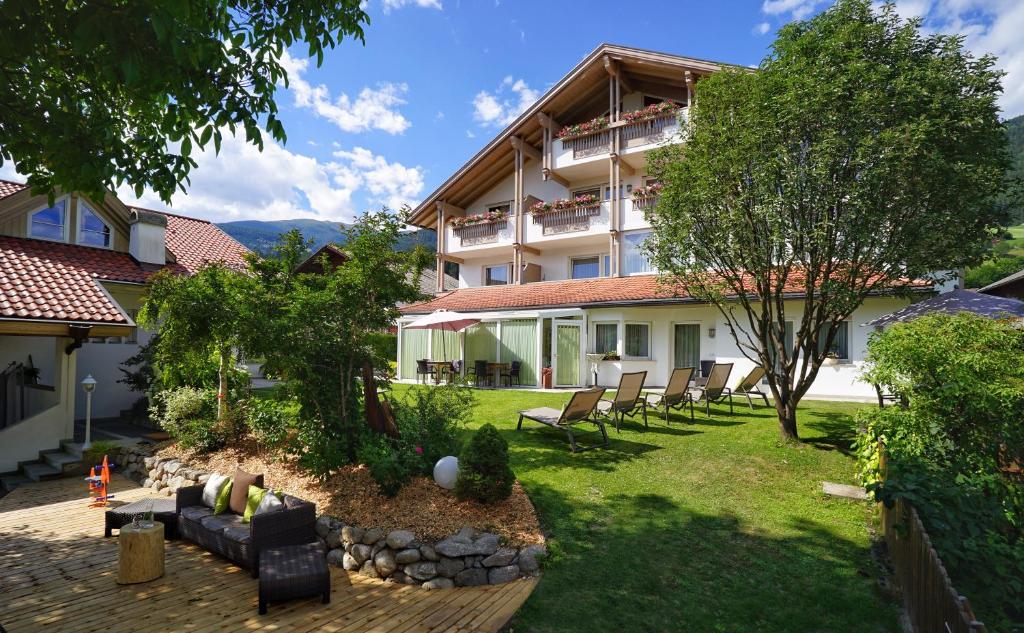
(384, 344)
(993, 270)
(93, 456)
(484, 473)
(430, 420)
(390, 467)
(189, 415)
(269, 421)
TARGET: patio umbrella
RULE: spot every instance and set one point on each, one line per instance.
(443, 320)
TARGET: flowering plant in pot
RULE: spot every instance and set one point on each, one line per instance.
(460, 221)
(650, 191)
(582, 201)
(652, 111)
(586, 127)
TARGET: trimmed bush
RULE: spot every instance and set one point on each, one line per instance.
(190, 416)
(390, 467)
(484, 473)
(269, 421)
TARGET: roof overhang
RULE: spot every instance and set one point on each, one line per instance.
(62, 329)
(568, 100)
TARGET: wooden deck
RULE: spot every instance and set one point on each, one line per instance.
(57, 573)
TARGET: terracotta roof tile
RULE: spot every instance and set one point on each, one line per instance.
(196, 242)
(9, 188)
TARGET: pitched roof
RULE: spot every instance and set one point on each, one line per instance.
(9, 188)
(999, 283)
(196, 242)
(954, 302)
(53, 280)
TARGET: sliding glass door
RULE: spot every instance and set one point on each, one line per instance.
(687, 345)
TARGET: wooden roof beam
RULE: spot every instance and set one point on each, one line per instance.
(525, 148)
(548, 121)
(449, 209)
(615, 70)
(551, 174)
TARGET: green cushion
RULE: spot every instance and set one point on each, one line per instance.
(252, 502)
(223, 499)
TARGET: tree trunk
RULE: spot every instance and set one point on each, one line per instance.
(222, 391)
(786, 408)
(377, 418)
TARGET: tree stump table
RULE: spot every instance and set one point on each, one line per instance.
(141, 553)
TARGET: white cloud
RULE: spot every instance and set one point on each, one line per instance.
(506, 103)
(390, 184)
(799, 9)
(391, 5)
(469, 134)
(761, 29)
(277, 184)
(371, 109)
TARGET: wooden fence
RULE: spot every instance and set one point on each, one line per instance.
(932, 603)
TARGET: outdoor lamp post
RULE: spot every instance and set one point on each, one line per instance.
(88, 383)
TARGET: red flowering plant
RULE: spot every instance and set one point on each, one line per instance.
(586, 127)
(582, 201)
(652, 111)
(646, 193)
(459, 221)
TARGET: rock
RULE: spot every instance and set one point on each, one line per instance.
(205, 477)
(499, 575)
(172, 467)
(333, 538)
(336, 557)
(361, 553)
(421, 570)
(323, 526)
(462, 545)
(350, 535)
(471, 577)
(378, 547)
(348, 561)
(372, 535)
(429, 553)
(154, 473)
(149, 462)
(465, 535)
(147, 482)
(166, 492)
(175, 483)
(448, 567)
(439, 583)
(530, 557)
(400, 539)
(369, 570)
(385, 562)
(407, 556)
(158, 485)
(504, 556)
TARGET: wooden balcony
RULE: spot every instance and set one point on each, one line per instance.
(567, 220)
(648, 130)
(590, 144)
(480, 233)
(645, 204)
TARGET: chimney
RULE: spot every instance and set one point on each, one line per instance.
(146, 242)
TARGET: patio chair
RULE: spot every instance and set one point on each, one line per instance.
(479, 373)
(749, 386)
(513, 373)
(715, 390)
(629, 399)
(424, 369)
(581, 408)
(676, 395)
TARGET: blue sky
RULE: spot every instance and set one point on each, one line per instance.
(385, 123)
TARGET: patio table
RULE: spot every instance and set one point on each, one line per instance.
(496, 369)
(440, 366)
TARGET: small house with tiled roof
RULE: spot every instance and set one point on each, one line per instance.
(547, 223)
(72, 276)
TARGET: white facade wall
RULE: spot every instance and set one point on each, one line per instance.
(103, 362)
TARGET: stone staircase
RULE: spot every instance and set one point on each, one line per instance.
(52, 464)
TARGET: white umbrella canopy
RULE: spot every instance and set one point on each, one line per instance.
(443, 320)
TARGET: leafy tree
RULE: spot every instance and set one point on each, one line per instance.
(92, 93)
(992, 271)
(317, 331)
(861, 154)
(196, 316)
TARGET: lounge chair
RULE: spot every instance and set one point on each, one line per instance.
(715, 390)
(676, 395)
(629, 399)
(748, 386)
(581, 408)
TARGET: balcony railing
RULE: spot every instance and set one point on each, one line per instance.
(645, 204)
(590, 144)
(651, 130)
(567, 220)
(480, 233)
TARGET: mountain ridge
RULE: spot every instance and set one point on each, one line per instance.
(262, 235)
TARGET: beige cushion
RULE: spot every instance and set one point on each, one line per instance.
(240, 489)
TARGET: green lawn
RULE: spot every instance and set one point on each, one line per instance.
(712, 526)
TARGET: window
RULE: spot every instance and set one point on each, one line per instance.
(496, 275)
(841, 342)
(585, 267)
(624, 191)
(50, 223)
(505, 206)
(633, 259)
(638, 340)
(92, 231)
(606, 264)
(606, 338)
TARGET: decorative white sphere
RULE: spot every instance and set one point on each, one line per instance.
(446, 470)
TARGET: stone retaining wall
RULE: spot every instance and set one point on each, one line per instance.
(465, 559)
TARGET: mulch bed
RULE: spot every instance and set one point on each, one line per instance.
(352, 495)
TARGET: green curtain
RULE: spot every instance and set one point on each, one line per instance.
(637, 343)
(567, 344)
(445, 345)
(687, 345)
(840, 345)
(414, 347)
(606, 337)
(481, 344)
(519, 343)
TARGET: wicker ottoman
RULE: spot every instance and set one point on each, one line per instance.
(163, 510)
(293, 571)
